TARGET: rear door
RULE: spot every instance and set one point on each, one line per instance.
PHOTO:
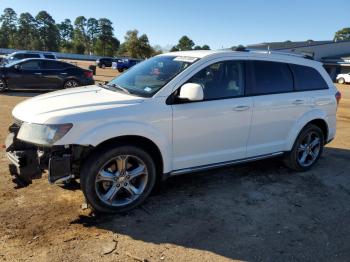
(53, 74)
(276, 106)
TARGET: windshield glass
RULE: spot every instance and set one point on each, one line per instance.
(146, 78)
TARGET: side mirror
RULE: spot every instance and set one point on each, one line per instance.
(17, 67)
(191, 92)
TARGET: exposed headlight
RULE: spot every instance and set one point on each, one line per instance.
(42, 134)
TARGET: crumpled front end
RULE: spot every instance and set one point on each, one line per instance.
(29, 161)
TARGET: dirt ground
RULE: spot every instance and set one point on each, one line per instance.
(254, 212)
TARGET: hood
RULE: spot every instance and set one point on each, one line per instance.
(42, 108)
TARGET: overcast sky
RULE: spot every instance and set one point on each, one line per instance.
(218, 23)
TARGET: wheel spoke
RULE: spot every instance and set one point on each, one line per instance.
(301, 148)
(122, 162)
(132, 190)
(105, 176)
(111, 194)
(315, 142)
(140, 170)
(313, 155)
(308, 139)
(303, 157)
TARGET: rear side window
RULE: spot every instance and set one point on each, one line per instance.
(307, 78)
(270, 78)
(31, 56)
(49, 56)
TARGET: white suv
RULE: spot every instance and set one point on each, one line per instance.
(343, 78)
(172, 114)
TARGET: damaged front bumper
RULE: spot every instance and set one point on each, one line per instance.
(29, 161)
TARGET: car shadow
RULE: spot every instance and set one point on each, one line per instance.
(256, 211)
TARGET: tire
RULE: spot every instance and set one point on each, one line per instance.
(120, 70)
(103, 66)
(71, 83)
(341, 80)
(106, 185)
(308, 147)
(3, 85)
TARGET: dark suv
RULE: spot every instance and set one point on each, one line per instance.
(104, 62)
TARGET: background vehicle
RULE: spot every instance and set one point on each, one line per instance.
(42, 74)
(126, 63)
(174, 114)
(343, 78)
(104, 62)
(19, 55)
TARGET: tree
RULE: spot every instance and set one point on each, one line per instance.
(48, 31)
(92, 32)
(106, 43)
(185, 43)
(343, 34)
(205, 47)
(135, 46)
(66, 32)
(27, 31)
(80, 35)
(8, 28)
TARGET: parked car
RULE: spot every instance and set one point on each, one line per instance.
(19, 55)
(126, 63)
(174, 114)
(343, 78)
(104, 62)
(37, 73)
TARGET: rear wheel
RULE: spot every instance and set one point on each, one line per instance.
(2, 85)
(118, 179)
(341, 80)
(307, 149)
(120, 70)
(71, 83)
(103, 66)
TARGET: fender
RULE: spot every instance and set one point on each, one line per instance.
(301, 122)
(98, 134)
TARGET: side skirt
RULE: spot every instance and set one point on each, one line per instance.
(222, 164)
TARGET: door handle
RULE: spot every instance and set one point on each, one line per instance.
(241, 108)
(38, 74)
(298, 102)
(63, 74)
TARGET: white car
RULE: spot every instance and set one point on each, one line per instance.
(343, 78)
(173, 114)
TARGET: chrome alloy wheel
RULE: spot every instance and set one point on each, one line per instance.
(121, 180)
(309, 149)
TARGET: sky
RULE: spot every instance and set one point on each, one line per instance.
(218, 23)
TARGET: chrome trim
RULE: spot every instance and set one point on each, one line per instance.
(222, 164)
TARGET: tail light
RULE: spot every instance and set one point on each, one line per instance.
(338, 97)
(88, 74)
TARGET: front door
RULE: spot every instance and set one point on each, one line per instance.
(26, 76)
(216, 129)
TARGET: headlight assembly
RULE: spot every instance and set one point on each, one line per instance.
(42, 134)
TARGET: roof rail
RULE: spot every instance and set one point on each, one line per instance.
(280, 53)
(261, 51)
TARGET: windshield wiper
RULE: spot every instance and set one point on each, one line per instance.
(115, 86)
(119, 88)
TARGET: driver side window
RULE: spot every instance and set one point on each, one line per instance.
(221, 80)
(31, 65)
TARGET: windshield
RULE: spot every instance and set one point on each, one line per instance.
(148, 77)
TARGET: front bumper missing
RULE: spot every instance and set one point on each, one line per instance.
(27, 162)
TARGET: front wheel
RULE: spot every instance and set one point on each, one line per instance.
(341, 80)
(306, 150)
(117, 179)
(2, 85)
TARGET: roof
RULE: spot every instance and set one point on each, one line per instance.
(292, 45)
